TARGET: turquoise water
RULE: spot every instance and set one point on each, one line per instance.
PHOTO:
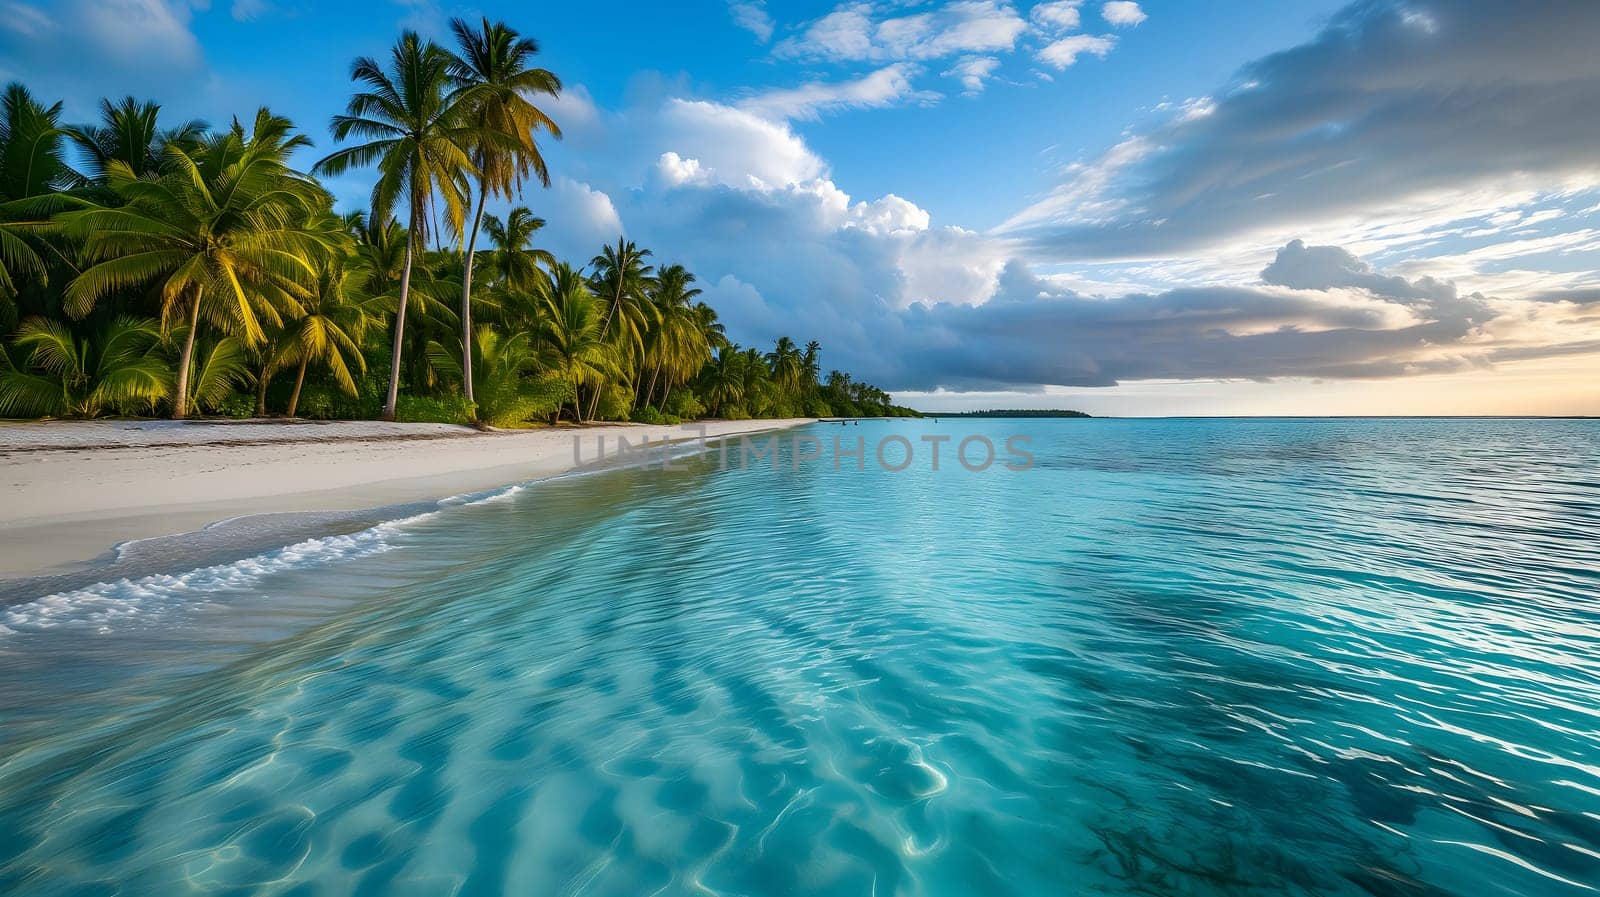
(1175, 657)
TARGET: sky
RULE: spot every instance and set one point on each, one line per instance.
(1128, 208)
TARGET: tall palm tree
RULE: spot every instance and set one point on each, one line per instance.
(495, 62)
(223, 234)
(571, 334)
(129, 132)
(622, 276)
(515, 261)
(410, 118)
(758, 383)
(811, 366)
(677, 345)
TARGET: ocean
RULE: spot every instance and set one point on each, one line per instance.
(1152, 657)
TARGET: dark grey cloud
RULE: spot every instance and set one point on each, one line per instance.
(1584, 296)
(1031, 334)
(1305, 267)
(1392, 100)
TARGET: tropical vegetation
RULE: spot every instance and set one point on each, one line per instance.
(150, 267)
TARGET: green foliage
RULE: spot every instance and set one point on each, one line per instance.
(221, 231)
(545, 396)
(649, 414)
(237, 406)
(31, 165)
(325, 401)
(220, 368)
(319, 403)
(1017, 412)
(508, 387)
(615, 403)
(185, 267)
(569, 335)
(50, 372)
(434, 410)
(683, 404)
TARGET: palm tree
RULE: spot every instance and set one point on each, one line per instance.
(382, 248)
(31, 165)
(758, 384)
(129, 132)
(515, 262)
(724, 379)
(622, 276)
(494, 62)
(330, 331)
(677, 342)
(221, 366)
(511, 387)
(786, 365)
(222, 233)
(59, 375)
(571, 334)
(716, 334)
(410, 118)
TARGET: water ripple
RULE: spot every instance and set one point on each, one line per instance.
(1178, 657)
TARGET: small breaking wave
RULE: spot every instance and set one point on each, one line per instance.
(103, 605)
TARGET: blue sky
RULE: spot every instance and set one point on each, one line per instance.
(1391, 206)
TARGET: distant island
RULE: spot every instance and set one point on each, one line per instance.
(1009, 412)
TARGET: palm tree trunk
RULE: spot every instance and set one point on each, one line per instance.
(400, 325)
(666, 394)
(605, 330)
(299, 379)
(466, 296)
(262, 380)
(577, 400)
(651, 392)
(180, 403)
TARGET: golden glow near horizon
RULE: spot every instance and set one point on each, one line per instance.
(1555, 387)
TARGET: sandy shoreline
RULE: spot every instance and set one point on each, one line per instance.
(75, 490)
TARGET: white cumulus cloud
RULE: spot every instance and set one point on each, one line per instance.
(972, 72)
(889, 86)
(1057, 15)
(1122, 13)
(1064, 52)
(862, 32)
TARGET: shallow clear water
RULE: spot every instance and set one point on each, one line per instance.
(1176, 657)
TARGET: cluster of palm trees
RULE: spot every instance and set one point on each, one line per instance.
(185, 269)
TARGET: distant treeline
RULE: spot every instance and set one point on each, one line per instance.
(1010, 412)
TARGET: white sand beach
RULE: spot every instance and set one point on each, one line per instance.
(73, 490)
